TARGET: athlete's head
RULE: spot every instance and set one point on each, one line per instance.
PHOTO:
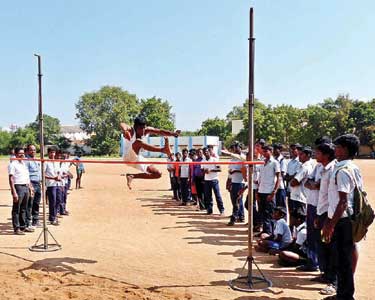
(140, 125)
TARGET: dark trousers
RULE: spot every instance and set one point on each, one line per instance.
(342, 240)
(265, 211)
(326, 255)
(312, 236)
(256, 216)
(32, 211)
(199, 185)
(54, 199)
(19, 207)
(296, 205)
(210, 185)
(64, 195)
(281, 198)
(238, 210)
(185, 189)
(176, 188)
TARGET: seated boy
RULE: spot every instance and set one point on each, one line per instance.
(295, 254)
(281, 236)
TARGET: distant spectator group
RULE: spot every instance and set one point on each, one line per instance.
(25, 177)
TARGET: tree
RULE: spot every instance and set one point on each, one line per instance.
(100, 114)
(63, 142)
(158, 113)
(22, 137)
(5, 138)
(216, 127)
(362, 118)
(51, 128)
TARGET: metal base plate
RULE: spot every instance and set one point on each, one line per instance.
(253, 284)
(47, 248)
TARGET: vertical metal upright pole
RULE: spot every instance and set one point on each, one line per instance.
(41, 141)
(251, 145)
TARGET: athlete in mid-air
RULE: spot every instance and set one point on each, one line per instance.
(133, 144)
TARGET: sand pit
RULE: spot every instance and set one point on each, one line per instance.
(139, 244)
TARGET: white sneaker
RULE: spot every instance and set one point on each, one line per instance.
(29, 229)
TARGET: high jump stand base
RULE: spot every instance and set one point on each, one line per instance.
(250, 283)
(45, 247)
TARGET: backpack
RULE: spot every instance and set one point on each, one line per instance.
(362, 215)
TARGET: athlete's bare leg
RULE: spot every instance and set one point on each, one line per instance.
(152, 172)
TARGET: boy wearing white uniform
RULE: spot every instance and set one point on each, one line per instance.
(338, 227)
(297, 190)
(237, 184)
(268, 184)
(19, 182)
(211, 183)
(133, 145)
(185, 178)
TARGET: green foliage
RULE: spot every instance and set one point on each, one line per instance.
(63, 143)
(158, 113)
(22, 137)
(287, 124)
(216, 127)
(51, 128)
(5, 138)
(100, 114)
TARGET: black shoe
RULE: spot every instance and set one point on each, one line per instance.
(209, 212)
(307, 268)
(231, 223)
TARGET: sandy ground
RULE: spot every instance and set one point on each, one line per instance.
(138, 244)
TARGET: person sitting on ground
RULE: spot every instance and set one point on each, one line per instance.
(133, 144)
(295, 254)
(281, 237)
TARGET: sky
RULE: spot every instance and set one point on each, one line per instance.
(192, 53)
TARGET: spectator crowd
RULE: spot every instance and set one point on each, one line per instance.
(302, 205)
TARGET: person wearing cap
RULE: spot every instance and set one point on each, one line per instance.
(281, 236)
(281, 193)
(133, 144)
(268, 183)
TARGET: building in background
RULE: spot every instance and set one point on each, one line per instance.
(77, 138)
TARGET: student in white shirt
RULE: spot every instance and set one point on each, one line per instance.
(20, 187)
(297, 190)
(295, 254)
(281, 236)
(268, 184)
(185, 178)
(338, 228)
(53, 184)
(211, 183)
(236, 185)
(281, 192)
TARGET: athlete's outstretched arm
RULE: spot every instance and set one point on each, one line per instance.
(125, 128)
(162, 132)
(140, 144)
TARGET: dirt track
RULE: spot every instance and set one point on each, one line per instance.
(138, 244)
